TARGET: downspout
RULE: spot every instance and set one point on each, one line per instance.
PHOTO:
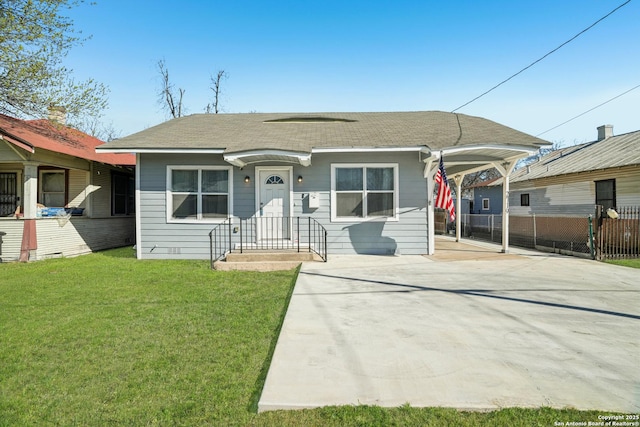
(138, 210)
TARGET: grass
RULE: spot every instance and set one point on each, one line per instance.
(634, 263)
(105, 339)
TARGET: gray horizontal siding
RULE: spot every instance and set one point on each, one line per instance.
(188, 241)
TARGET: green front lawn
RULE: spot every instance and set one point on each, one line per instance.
(105, 339)
(634, 263)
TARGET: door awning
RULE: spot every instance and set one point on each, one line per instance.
(261, 156)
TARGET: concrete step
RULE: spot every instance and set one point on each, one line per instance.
(256, 266)
(264, 260)
(255, 256)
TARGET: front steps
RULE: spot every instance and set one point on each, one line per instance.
(254, 260)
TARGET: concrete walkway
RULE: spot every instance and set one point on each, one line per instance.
(468, 328)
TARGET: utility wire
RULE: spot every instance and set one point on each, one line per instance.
(589, 110)
(549, 53)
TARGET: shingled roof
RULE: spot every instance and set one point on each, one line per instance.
(304, 132)
(44, 134)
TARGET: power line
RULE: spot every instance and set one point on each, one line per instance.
(589, 110)
(540, 59)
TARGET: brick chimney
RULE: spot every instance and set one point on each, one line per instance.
(58, 114)
(604, 132)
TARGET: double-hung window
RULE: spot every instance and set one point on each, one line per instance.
(122, 194)
(364, 191)
(53, 188)
(198, 193)
(606, 193)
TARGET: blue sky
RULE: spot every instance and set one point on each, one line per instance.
(330, 56)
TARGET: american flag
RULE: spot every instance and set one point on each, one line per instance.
(443, 199)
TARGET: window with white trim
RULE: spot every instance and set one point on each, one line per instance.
(485, 204)
(198, 193)
(53, 188)
(364, 191)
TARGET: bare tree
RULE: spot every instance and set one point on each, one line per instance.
(216, 82)
(95, 127)
(168, 98)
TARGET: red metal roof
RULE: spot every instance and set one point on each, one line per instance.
(47, 135)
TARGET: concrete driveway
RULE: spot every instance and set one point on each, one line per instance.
(468, 328)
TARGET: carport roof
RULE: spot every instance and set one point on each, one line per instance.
(244, 138)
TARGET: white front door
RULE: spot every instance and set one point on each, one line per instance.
(273, 203)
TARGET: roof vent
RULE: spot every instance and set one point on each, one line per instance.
(604, 132)
(312, 119)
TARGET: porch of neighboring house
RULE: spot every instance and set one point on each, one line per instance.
(54, 212)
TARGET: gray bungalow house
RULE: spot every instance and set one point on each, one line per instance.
(366, 179)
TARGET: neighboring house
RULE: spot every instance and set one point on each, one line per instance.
(58, 197)
(487, 198)
(367, 178)
(573, 180)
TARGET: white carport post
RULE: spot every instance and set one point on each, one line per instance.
(505, 170)
(458, 180)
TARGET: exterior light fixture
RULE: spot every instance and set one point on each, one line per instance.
(247, 179)
(299, 178)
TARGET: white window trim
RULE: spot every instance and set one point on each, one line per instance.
(169, 199)
(41, 191)
(488, 205)
(396, 188)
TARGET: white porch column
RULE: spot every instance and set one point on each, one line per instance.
(30, 190)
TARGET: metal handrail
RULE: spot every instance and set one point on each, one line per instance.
(295, 234)
(220, 243)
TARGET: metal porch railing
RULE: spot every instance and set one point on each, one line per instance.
(296, 234)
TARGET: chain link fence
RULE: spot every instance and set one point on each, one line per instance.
(616, 233)
(561, 234)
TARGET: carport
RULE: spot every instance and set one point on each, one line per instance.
(478, 149)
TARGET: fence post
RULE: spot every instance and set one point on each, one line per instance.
(591, 247)
(535, 237)
(598, 232)
(491, 226)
